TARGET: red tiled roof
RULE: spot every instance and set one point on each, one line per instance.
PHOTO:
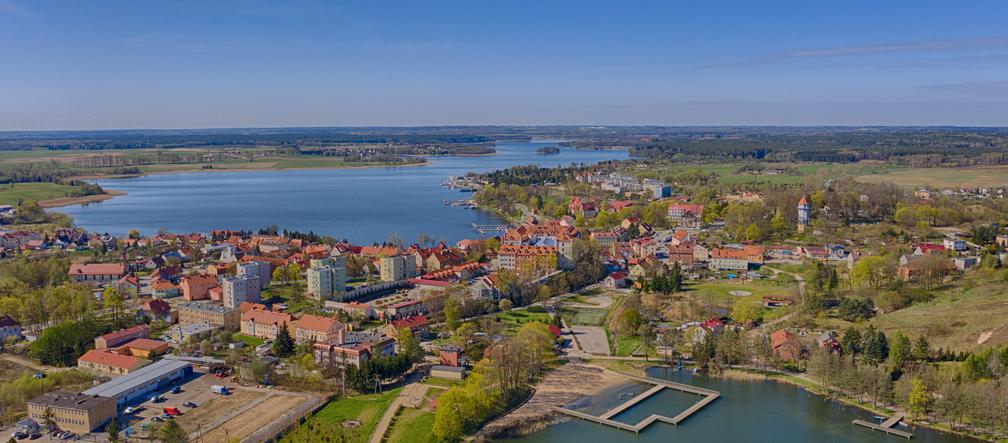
(267, 317)
(415, 321)
(115, 336)
(97, 269)
(145, 344)
(106, 358)
(316, 323)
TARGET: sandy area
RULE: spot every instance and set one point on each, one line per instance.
(560, 387)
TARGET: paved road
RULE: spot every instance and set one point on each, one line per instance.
(592, 339)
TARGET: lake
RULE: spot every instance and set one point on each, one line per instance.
(362, 205)
(746, 411)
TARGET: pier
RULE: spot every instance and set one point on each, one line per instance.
(487, 229)
(659, 385)
(888, 426)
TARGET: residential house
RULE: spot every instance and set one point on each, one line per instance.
(417, 324)
(785, 345)
(686, 215)
(159, 310)
(122, 336)
(9, 328)
(111, 362)
(485, 287)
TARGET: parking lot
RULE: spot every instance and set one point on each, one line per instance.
(196, 391)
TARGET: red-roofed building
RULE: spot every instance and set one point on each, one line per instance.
(143, 348)
(122, 336)
(417, 324)
(111, 362)
(197, 287)
(313, 329)
(929, 248)
(96, 273)
(159, 310)
(785, 345)
(686, 214)
(264, 324)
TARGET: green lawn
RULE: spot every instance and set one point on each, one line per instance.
(515, 318)
(11, 194)
(580, 299)
(722, 292)
(412, 426)
(583, 316)
(627, 345)
(248, 339)
(327, 424)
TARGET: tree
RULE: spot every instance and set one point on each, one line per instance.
(283, 345)
(172, 432)
(919, 399)
(293, 272)
(746, 312)
(113, 300)
(112, 429)
(900, 352)
(505, 304)
(922, 350)
(873, 271)
(544, 293)
(48, 419)
(851, 342)
(452, 312)
(408, 345)
(279, 274)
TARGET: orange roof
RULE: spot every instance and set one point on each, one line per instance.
(780, 337)
(267, 317)
(145, 344)
(317, 323)
(525, 250)
(111, 359)
(803, 201)
(97, 269)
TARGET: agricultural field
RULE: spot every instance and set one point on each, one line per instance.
(726, 172)
(941, 177)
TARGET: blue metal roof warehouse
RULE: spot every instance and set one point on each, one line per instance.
(143, 381)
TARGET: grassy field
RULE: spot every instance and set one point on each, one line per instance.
(726, 172)
(955, 319)
(327, 424)
(11, 194)
(626, 345)
(941, 177)
(248, 340)
(720, 293)
(413, 426)
(515, 318)
(588, 317)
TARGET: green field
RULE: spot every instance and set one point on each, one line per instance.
(12, 194)
(726, 172)
(248, 340)
(513, 319)
(412, 426)
(941, 177)
(584, 316)
(327, 424)
(721, 292)
(625, 346)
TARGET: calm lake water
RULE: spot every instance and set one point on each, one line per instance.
(362, 205)
(746, 411)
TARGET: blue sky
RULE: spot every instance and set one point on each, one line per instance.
(129, 64)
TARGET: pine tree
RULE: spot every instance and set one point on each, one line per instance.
(283, 346)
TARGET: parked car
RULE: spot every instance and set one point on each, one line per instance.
(176, 390)
(156, 419)
(189, 404)
(129, 410)
(172, 411)
(39, 375)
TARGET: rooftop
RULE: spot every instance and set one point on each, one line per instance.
(60, 399)
(119, 386)
(204, 306)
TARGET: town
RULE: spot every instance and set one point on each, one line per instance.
(252, 336)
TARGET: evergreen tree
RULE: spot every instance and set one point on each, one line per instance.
(283, 346)
(922, 350)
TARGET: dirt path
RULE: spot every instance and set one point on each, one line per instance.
(411, 394)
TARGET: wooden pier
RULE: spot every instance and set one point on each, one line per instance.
(659, 385)
(485, 229)
(887, 426)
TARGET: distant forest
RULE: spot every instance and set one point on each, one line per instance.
(911, 146)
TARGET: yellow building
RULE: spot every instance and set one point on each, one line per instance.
(72, 412)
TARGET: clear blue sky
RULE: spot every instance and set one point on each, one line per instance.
(177, 64)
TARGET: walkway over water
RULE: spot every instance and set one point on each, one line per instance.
(659, 385)
(887, 426)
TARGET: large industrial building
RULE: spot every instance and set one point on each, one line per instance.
(140, 383)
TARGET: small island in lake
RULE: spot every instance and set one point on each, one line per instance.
(546, 150)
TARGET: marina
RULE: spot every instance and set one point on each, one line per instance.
(888, 426)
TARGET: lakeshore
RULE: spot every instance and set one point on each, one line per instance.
(68, 201)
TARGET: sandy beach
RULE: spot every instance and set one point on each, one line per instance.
(67, 201)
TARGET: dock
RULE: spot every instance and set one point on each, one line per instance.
(659, 385)
(485, 229)
(887, 426)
